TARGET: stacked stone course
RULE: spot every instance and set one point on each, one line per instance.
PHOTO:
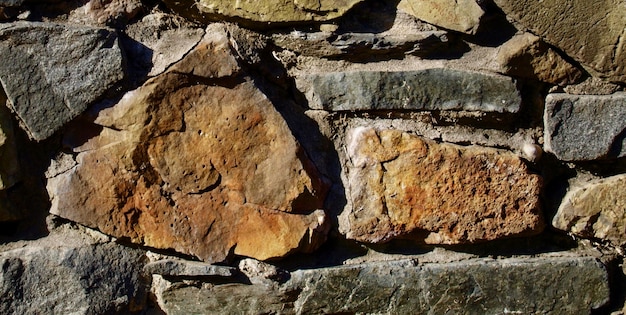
(312, 157)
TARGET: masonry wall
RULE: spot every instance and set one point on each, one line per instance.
(312, 157)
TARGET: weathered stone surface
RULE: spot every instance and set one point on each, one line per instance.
(585, 127)
(401, 185)
(71, 273)
(592, 32)
(197, 160)
(355, 46)
(596, 210)
(106, 12)
(164, 39)
(593, 86)
(187, 268)
(51, 73)
(272, 11)
(528, 57)
(430, 89)
(541, 285)
(462, 16)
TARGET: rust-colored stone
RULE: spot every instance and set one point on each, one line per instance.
(401, 184)
(203, 169)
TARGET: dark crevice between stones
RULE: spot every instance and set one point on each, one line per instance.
(617, 286)
(494, 29)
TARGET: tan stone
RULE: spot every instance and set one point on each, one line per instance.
(462, 16)
(598, 210)
(401, 185)
(270, 11)
(528, 57)
(204, 169)
(591, 31)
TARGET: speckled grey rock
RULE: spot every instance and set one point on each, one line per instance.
(430, 89)
(51, 73)
(187, 268)
(477, 286)
(585, 127)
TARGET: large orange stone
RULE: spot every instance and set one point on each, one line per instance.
(186, 164)
(402, 185)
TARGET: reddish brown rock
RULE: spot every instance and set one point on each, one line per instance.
(405, 186)
(204, 169)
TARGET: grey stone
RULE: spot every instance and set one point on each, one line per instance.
(430, 89)
(51, 73)
(476, 286)
(355, 46)
(9, 164)
(585, 127)
(186, 268)
(71, 274)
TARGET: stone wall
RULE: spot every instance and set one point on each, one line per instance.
(313, 157)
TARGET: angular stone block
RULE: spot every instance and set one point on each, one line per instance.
(430, 89)
(540, 285)
(400, 185)
(591, 31)
(597, 210)
(585, 127)
(51, 72)
(461, 16)
(197, 160)
(528, 57)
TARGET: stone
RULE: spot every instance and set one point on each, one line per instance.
(405, 186)
(461, 16)
(188, 268)
(595, 210)
(106, 12)
(526, 56)
(430, 89)
(591, 32)
(259, 272)
(592, 86)
(51, 72)
(162, 39)
(71, 273)
(585, 127)
(361, 46)
(197, 160)
(472, 286)
(266, 12)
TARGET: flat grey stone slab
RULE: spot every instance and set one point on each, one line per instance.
(537, 285)
(51, 72)
(585, 127)
(430, 89)
(187, 268)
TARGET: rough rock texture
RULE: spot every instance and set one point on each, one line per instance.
(462, 16)
(430, 89)
(596, 210)
(593, 86)
(70, 272)
(51, 73)
(187, 268)
(270, 11)
(528, 57)
(592, 32)
(485, 286)
(356, 46)
(106, 12)
(162, 39)
(585, 127)
(400, 184)
(197, 160)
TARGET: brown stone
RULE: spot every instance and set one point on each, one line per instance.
(404, 186)
(461, 16)
(202, 166)
(528, 57)
(598, 210)
(593, 32)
